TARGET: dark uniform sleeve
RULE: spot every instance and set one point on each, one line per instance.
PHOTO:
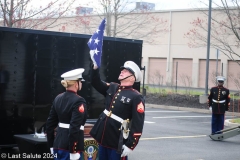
(77, 119)
(51, 124)
(137, 122)
(227, 100)
(210, 98)
(97, 83)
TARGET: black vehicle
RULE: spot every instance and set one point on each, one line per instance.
(31, 63)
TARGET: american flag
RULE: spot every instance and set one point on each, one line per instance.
(95, 44)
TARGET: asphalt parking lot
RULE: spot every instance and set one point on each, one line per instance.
(172, 133)
(182, 135)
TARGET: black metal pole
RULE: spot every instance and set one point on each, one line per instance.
(143, 76)
(208, 46)
(217, 66)
(222, 70)
(143, 89)
(176, 74)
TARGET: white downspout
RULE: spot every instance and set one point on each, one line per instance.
(169, 41)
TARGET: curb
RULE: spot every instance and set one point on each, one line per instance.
(188, 109)
(226, 122)
(230, 124)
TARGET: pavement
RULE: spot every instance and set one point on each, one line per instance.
(226, 123)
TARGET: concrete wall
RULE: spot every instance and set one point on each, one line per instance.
(169, 46)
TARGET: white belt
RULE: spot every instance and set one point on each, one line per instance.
(64, 125)
(113, 116)
(223, 101)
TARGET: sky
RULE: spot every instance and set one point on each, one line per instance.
(172, 4)
(159, 4)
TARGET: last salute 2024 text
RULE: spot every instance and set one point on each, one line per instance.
(31, 156)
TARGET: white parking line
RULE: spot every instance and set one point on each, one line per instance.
(167, 111)
(175, 137)
(148, 122)
(182, 117)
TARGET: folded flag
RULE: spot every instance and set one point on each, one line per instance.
(95, 44)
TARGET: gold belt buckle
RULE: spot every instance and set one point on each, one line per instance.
(109, 114)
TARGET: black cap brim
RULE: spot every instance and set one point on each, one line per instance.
(129, 69)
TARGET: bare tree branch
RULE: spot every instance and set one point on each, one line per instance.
(127, 22)
(225, 29)
(22, 13)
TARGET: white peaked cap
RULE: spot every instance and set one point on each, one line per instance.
(220, 78)
(75, 74)
(133, 67)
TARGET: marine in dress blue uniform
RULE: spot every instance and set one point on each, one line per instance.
(68, 114)
(119, 127)
(218, 102)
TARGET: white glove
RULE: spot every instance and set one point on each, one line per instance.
(210, 108)
(74, 156)
(51, 151)
(93, 60)
(126, 151)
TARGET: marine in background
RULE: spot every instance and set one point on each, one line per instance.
(218, 103)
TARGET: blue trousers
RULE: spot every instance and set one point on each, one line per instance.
(217, 122)
(62, 155)
(109, 154)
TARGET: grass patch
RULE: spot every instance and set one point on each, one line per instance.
(237, 120)
(165, 91)
(170, 90)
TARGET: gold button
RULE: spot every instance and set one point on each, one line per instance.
(123, 87)
(133, 142)
(119, 90)
(115, 97)
(112, 106)
(131, 147)
(118, 94)
(135, 138)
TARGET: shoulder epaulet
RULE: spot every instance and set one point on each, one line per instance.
(60, 94)
(226, 88)
(78, 95)
(136, 91)
(214, 87)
